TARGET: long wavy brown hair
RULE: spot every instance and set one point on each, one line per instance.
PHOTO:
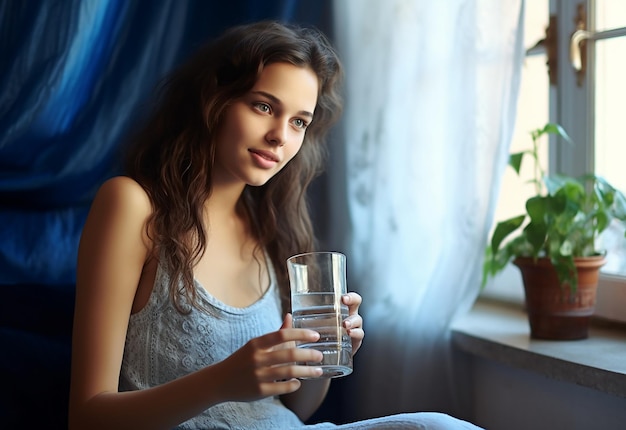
(172, 155)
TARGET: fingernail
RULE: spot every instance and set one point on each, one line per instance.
(318, 371)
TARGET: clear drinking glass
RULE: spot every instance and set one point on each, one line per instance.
(318, 280)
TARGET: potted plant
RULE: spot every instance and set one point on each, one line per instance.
(555, 245)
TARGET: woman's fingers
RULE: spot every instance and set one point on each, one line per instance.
(284, 335)
(287, 322)
(279, 349)
(289, 371)
(354, 323)
(282, 364)
(353, 301)
(281, 356)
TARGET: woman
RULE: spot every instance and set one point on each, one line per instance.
(181, 279)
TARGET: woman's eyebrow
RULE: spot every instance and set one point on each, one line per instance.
(277, 101)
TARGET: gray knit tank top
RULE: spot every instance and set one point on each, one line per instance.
(162, 345)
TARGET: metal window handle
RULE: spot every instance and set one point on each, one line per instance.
(578, 42)
(578, 49)
(582, 35)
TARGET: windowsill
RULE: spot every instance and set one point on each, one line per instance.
(500, 332)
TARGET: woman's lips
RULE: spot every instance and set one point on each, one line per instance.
(264, 159)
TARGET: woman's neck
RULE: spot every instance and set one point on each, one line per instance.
(223, 202)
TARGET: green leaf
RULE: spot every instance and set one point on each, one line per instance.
(536, 208)
(515, 161)
(566, 271)
(572, 187)
(556, 204)
(619, 206)
(553, 128)
(503, 229)
(574, 190)
(490, 267)
(602, 221)
(605, 193)
(566, 248)
(536, 234)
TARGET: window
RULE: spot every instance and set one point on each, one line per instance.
(587, 104)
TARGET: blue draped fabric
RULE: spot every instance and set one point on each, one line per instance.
(74, 76)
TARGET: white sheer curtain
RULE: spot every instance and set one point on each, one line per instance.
(431, 91)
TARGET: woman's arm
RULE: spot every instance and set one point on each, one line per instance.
(111, 257)
(308, 398)
(113, 250)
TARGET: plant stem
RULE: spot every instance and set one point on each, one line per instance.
(538, 171)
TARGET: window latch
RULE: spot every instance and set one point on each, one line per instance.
(578, 43)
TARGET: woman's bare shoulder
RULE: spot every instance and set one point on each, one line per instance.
(117, 222)
(121, 206)
(125, 191)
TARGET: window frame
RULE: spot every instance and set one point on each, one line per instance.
(573, 106)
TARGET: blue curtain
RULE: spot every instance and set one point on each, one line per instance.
(74, 77)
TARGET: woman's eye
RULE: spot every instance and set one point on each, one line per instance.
(263, 107)
(300, 123)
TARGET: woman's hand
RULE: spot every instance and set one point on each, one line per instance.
(266, 365)
(354, 323)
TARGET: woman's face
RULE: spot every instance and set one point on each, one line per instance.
(264, 129)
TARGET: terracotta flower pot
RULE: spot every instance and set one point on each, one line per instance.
(554, 311)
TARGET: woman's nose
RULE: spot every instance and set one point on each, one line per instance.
(277, 135)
